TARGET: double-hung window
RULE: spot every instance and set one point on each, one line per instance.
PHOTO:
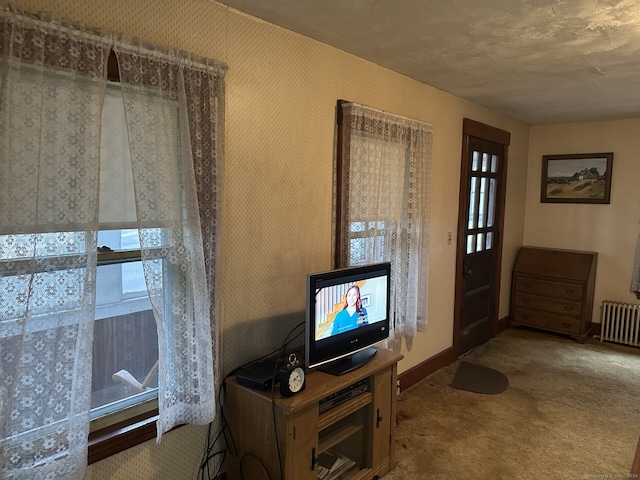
(382, 204)
(109, 207)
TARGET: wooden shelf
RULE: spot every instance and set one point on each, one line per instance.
(338, 436)
(339, 412)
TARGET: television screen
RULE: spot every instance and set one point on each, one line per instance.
(347, 311)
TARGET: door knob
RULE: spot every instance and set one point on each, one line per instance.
(466, 271)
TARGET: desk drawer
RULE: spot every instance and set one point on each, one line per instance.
(549, 304)
(539, 286)
(550, 321)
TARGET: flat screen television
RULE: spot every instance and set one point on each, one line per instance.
(347, 312)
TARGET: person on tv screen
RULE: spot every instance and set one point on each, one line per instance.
(352, 315)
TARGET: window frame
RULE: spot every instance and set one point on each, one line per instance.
(116, 438)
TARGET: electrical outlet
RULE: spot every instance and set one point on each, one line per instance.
(449, 238)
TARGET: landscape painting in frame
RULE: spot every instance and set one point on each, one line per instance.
(579, 178)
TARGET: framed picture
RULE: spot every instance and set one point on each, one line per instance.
(578, 178)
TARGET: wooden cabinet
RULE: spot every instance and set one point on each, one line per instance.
(298, 429)
(553, 290)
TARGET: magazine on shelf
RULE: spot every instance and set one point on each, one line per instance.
(331, 466)
(326, 460)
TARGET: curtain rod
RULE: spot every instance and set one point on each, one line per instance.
(346, 103)
(49, 21)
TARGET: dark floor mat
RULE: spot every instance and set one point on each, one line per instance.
(479, 379)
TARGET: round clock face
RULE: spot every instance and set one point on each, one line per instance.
(296, 379)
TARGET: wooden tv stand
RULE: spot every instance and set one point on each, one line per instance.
(359, 427)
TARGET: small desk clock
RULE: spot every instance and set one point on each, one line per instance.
(292, 377)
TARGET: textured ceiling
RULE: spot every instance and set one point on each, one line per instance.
(538, 61)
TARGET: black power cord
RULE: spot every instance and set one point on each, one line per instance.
(224, 433)
(282, 349)
(204, 472)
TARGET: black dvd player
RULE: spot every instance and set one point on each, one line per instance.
(343, 395)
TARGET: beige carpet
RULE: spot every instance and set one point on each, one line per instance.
(571, 411)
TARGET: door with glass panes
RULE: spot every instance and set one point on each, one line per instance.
(479, 238)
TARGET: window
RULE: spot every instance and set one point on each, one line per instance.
(369, 241)
(107, 260)
(482, 202)
(114, 304)
(124, 337)
(382, 203)
(125, 340)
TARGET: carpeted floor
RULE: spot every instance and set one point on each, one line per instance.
(571, 411)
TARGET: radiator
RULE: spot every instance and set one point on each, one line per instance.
(620, 323)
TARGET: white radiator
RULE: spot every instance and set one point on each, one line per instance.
(620, 323)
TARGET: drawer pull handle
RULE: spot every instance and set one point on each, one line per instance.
(314, 459)
(525, 316)
(566, 324)
(526, 284)
(568, 308)
(569, 290)
(378, 419)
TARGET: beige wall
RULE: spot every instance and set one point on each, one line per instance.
(281, 94)
(611, 230)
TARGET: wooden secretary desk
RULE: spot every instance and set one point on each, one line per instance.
(553, 290)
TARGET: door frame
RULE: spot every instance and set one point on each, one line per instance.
(472, 128)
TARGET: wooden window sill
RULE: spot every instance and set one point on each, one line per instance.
(121, 436)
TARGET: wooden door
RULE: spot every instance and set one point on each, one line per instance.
(481, 217)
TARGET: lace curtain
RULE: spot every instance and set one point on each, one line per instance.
(384, 205)
(49, 182)
(53, 80)
(167, 197)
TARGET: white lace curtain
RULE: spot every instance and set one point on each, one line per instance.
(384, 208)
(53, 80)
